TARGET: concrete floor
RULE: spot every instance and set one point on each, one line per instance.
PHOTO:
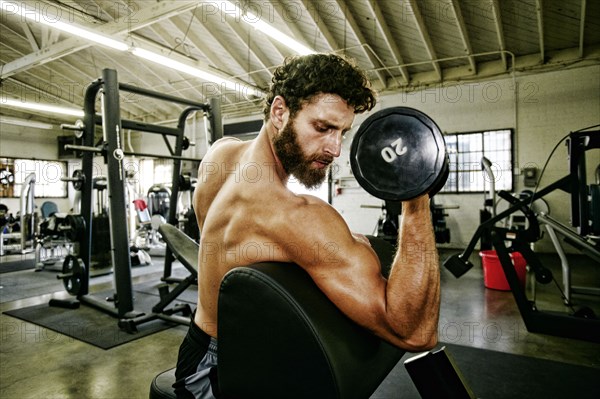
(39, 363)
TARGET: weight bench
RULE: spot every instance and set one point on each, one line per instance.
(280, 337)
(185, 250)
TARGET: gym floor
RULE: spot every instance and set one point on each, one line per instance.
(38, 363)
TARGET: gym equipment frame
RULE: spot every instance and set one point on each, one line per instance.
(582, 212)
(122, 304)
(26, 236)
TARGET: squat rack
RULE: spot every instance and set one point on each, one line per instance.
(112, 125)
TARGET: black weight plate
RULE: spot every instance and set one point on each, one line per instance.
(76, 228)
(75, 269)
(442, 178)
(79, 176)
(398, 154)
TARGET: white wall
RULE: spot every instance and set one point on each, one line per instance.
(548, 106)
(545, 108)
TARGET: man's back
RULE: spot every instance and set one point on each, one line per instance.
(239, 203)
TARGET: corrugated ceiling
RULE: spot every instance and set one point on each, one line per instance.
(402, 44)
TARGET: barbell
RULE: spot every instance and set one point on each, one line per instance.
(77, 178)
(398, 154)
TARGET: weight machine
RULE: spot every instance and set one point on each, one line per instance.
(584, 216)
(76, 270)
(22, 241)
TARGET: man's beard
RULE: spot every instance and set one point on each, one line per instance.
(295, 163)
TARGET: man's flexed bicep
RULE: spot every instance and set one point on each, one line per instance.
(348, 271)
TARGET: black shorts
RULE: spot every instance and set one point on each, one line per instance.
(196, 373)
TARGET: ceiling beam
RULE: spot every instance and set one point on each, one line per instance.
(499, 31)
(144, 17)
(291, 25)
(244, 37)
(539, 9)
(181, 48)
(188, 35)
(422, 28)
(162, 33)
(23, 90)
(312, 14)
(42, 94)
(30, 38)
(54, 36)
(133, 103)
(208, 36)
(582, 28)
(45, 91)
(200, 46)
(128, 106)
(182, 58)
(355, 30)
(317, 21)
(464, 35)
(388, 38)
(45, 35)
(97, 10)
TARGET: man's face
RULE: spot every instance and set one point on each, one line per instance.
(308, 143)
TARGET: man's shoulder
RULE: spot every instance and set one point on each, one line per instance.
(226, 144)
(227, 139)
(227, 150)
(312, 213)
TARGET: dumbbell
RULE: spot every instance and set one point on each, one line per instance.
(399, 153)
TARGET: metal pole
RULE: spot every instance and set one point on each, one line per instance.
(119, 237)
(85, 148)
(87, 189)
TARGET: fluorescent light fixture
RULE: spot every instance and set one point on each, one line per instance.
(53, 109)
(224, 84)
(24, 122)
(179, 66)
(262, 26)
(54, 21)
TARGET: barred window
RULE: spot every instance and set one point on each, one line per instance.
(466, 151)
(48, 183)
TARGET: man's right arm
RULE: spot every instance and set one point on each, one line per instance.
(414, 283)
(404, 309)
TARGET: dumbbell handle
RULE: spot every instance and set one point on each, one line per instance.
(63, 276)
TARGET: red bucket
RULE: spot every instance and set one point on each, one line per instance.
(493, 274)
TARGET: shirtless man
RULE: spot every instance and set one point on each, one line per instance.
(242, 203)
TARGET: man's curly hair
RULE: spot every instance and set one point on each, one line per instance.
(300, 78)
